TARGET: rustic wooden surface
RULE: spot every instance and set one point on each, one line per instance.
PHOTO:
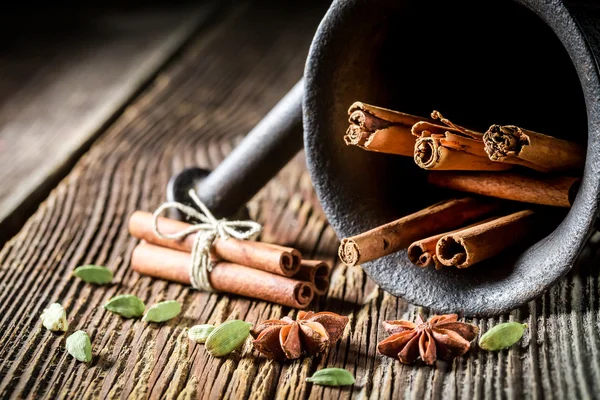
(62, 81)
(193, 113)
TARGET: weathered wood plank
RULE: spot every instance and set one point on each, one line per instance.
(62, 82)
(192, 114)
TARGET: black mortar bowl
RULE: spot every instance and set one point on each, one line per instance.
(531, 63)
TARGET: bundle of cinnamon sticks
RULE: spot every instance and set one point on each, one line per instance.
(253, 269)
(544, 170)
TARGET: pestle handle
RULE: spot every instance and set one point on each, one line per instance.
(267, 148)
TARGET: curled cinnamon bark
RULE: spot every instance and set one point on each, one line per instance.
(558, 191)
(472, 245)
(422, 253)
(173, 265)
(265, 256)
(514, 145)
(396, 235)
(448, 146)
(378, 129)
(317, 273)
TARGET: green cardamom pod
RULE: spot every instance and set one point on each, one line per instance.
(54, 318)
(79, 346)
(163, 311)
(94, 274)
(332, 377)
(126, 305)
(227, 337)
(199, 333)
(502, 336)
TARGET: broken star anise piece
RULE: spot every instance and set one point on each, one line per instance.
(310, 334)
(442, 337)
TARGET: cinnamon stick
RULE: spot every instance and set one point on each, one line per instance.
(378, 129)
(422, 253)
(317, 273)
(469, 246)
(399, 234)
(448, 146)
(558, 191)
(173, 265)
(264, 256)
(515, 145)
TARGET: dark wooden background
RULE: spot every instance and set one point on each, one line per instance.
(94, 121)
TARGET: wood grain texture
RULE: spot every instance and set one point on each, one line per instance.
(193, 114)
(62, 81)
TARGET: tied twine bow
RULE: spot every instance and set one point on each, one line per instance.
(207, 231)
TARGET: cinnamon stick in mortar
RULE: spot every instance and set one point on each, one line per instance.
(514, 145)
(399, 234)
(447, 146)
(378, 129)
(173, 265)
(469, 246)
(264, 256)
(317, 273)
(422, 253)
(558, 191)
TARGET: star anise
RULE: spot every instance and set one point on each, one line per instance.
(310, 334)
(442, 337)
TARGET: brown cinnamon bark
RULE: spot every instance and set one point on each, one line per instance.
(174, 265)
(514, 145)
(422, 253)
(378, 129)
(264, 256)
(546, 190)
(317, 273)
(448, 146)
(470, 246)
(396, 235)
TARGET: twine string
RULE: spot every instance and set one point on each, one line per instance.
(207, 230)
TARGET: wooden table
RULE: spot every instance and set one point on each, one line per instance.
(194, 95)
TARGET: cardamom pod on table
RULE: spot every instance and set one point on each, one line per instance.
(79, 346)
(199, 333)
(54, 318)
(126, 305)
(227, 337)
(502, 336)
(332, 377)
(93, 274)
(163, 311)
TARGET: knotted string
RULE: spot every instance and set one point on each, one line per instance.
(207, 230)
